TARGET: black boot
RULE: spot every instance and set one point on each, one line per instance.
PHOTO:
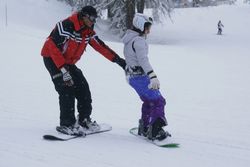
(156, 131)
(142, 130)
(88, 124)
(70, 130)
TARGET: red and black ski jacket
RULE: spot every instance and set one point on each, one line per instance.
(68, 41)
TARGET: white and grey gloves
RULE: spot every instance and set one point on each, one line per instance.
(67, 77)
(154, 82)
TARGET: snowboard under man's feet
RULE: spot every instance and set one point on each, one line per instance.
(88, 124)
(68, 133)
(80, 128)
(73, 130)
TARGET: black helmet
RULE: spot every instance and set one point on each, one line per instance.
(88, 11)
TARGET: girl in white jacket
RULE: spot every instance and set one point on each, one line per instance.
(142, 78)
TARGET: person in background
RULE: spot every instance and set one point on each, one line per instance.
(219, 25)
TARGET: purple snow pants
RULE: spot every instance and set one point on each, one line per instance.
(153, 102)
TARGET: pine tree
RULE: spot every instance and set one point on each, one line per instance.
(121, 12)
(78, 4)
(130, 12)
(161, 8)
(118, 11)
(140, 4)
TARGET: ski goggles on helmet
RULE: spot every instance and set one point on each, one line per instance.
(91, 18)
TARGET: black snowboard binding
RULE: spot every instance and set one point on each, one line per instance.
(142, 130)
(156, 131)
(71, 130)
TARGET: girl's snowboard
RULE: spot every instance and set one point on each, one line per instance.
(164, 143)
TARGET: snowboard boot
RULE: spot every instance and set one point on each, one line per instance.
(142, 130)
(156, 131)
(71, 130)
(88, 124)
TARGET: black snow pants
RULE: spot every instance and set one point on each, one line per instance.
(67, 94)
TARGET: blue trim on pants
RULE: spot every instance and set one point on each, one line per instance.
(153, 102)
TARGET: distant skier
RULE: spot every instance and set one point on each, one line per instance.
(143, 79)
(220, 25)
(62, 49)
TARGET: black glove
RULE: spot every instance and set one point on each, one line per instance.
(120, 61)
(67, 77)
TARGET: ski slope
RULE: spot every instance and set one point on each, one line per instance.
(204, 77)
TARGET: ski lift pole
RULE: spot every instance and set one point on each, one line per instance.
(6, 15)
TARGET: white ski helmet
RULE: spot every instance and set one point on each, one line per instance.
(140, 20)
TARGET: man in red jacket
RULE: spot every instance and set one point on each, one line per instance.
(62, 49)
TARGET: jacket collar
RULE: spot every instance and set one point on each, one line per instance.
(77, 23)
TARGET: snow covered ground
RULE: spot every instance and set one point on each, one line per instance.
(204, 77)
